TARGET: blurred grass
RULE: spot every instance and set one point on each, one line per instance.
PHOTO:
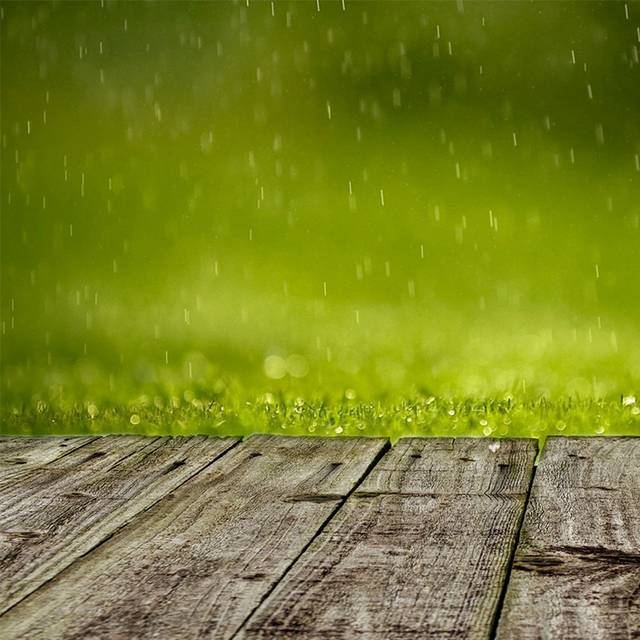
(225, 218)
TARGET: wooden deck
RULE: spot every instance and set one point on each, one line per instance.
(273, 537)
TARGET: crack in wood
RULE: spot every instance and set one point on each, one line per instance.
(566, 559)
(315, 497)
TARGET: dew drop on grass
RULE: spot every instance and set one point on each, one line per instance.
(275, 367)
(297, 366)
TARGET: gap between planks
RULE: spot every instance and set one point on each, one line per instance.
(576, 572)
(383, 450)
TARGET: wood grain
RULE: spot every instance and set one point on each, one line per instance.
(577, 566)
(52, 514)
(19, 453)
(200, 561)
(421, 549)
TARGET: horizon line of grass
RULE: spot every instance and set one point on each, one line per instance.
(269, 413)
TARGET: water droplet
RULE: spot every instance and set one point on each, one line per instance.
(275, 367)
(297, 366)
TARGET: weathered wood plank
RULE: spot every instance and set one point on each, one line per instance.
(452, 466)
(199, 561)
(52, 514)
(421, 549)
(19, 453)
(576, 572)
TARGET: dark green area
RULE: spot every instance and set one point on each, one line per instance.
(221, 217)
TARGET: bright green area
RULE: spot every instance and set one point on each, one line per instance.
(364, 218)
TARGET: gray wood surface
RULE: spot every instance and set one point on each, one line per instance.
(421, 548)
(52, 514)
(19, 453)
(198, 562)
(577, 567)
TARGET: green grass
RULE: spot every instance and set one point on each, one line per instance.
(535, 388)
(400, 218)
(424, 416)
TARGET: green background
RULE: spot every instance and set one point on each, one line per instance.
(392, 218)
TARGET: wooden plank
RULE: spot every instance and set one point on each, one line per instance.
(576, 572)
(53, 514)
(421, 549)
(198, 562)
(19, 453)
